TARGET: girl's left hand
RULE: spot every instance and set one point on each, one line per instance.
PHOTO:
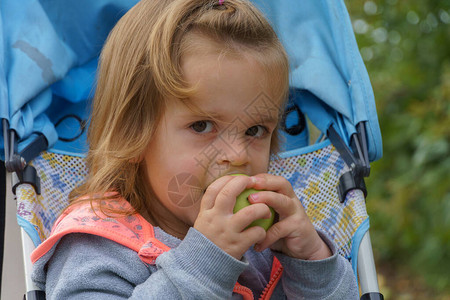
(293, 234)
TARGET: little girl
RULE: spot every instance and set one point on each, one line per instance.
(188, 94)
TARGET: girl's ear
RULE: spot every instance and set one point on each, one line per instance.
(137, 159)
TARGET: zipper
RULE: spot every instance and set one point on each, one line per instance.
(244, 291)
(273, 280)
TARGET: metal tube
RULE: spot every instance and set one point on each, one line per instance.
(27, 248)
(367, 273)
(5, 125)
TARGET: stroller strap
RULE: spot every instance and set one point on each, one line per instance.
(132, 231)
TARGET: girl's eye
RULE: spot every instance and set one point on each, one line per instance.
(256, 131)
(202, 126)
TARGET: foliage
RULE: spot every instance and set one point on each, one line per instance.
(406, 48)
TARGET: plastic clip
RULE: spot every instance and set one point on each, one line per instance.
(359, 165)
(18, 162)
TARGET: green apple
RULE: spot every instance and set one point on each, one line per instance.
(242, 201)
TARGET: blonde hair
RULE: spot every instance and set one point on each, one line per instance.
(140, 68)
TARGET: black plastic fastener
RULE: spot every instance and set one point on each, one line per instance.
(28, 175)
(372, 296)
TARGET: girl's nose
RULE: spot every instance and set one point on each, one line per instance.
(234, 153)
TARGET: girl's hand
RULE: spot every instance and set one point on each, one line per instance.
(217, 222)
(294, 234)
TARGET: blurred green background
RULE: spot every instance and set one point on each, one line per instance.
(406, 48)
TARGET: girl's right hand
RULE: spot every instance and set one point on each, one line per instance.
(217, 222)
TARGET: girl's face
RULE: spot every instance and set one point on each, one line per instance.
(225, 128)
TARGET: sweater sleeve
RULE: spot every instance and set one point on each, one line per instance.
(330, 278)
(196, 269)
(83, 266)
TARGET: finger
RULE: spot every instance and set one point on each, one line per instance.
(244, 217)
(226, 198)
(210, 195)
(276, 232)
(253, 235)
(274, 183)
(282, 204)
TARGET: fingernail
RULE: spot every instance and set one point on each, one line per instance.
(257, 179)
(254, 197)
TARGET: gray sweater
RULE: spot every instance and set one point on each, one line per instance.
(84, 266)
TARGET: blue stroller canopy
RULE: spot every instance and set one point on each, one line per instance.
(49, 54)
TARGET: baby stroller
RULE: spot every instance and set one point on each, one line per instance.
(48, 72)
